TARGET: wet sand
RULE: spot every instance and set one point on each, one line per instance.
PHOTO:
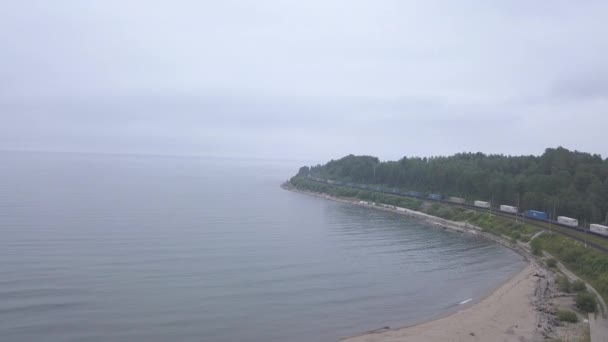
(508, 314)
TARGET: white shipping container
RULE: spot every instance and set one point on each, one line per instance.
(598, 228)
(568, 221)
(456, 200)
(401, 209)
(508, 209)
(481, 204)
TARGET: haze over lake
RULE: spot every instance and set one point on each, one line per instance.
(142, 248)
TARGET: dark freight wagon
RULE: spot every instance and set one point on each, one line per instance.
(538, 215)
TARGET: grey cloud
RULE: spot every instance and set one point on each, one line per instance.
(590, 87)
(315, 79)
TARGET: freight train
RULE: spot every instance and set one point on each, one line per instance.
(568, 222)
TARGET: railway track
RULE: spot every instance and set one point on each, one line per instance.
(559, 230)
(548, 225)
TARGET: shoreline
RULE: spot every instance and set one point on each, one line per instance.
(505, 314)
(480, 313)
(447, 312)
(461, 227)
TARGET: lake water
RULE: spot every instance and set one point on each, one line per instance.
(134, 248)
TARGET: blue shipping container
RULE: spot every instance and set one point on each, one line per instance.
(539, 215)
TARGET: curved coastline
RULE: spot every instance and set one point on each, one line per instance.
(515, 292)
(461, 227)
(505, 314)
(471, 302)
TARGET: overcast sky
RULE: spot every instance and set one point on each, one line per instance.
(308, 80)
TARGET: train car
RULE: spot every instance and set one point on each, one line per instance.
(413, 194)
(379, 189)
(508, 209)
(395, 191)
(329, 181)
(436, 197)
(457, 200)
(350, 185)
(367, 203)
(340, 183)
(599, 229)
(568, 221)
(535, 214)
(481, 204)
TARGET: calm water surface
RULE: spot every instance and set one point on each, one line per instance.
(133, 248)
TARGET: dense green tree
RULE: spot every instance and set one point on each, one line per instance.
(304, 171)
(560, 182)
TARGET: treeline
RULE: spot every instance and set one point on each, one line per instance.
(562, 182)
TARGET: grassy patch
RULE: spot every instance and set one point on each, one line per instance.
(502, 226)
(589, 264)
(567, 316)
(585, 236)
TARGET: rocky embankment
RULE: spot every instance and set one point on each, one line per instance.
(542, 301)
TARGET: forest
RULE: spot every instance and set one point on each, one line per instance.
(559, 182)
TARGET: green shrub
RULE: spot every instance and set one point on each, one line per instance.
(567, 316)
(585, 302)
(579, 286)
(564, 284)
(551, 263)
(588, 263)
(444, 212)
(536, 247)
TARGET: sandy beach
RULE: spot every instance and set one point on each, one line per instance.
(508, 314)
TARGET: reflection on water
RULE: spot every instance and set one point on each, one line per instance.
(98, 247)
